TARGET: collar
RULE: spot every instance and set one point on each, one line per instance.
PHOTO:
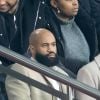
(97, 60)
(33, 59)
(65, 22)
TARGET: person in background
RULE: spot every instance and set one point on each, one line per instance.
(10, 33)
(10, 27)
(90, 75)
(76, 38)
(42, 46)
(92, 9)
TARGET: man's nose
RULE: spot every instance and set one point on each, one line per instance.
(50, 48)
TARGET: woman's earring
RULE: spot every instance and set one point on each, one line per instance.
(58, 11)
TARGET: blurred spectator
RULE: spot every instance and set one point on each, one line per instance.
(90, 75)
(92, 8)
(10, 33)
(10, 27)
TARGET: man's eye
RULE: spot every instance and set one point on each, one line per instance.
(44, 45)
(69, 0)
(54, 44)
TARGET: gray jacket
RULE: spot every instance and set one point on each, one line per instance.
(90, 75)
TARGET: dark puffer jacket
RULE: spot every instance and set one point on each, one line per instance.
(92, 8)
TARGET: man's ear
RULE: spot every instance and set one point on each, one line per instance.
(32, 49)
(53, 3)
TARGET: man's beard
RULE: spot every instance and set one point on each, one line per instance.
(47, 61)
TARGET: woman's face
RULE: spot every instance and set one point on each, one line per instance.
(68, 8)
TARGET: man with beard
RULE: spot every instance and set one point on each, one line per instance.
(42, 47)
